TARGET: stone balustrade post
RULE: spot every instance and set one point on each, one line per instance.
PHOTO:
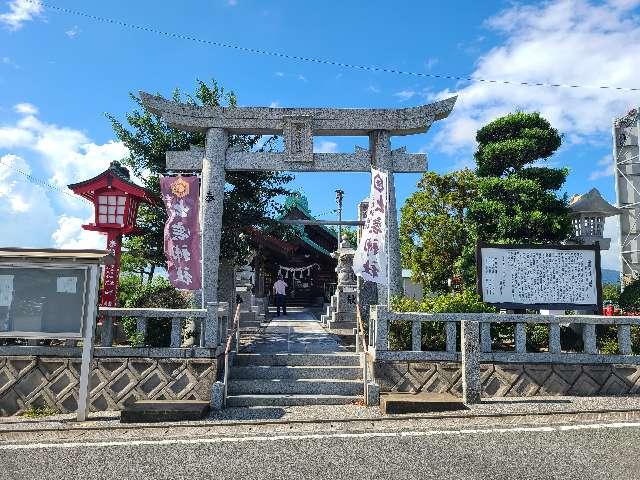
(521, 338)
(471, 385)
(176, 332)
(106, 334)
(485, 336)
(624, 339)
(451, 336)
(380, 318)
(554, 338)
(589, 338)
(416, 336)
(141, 327)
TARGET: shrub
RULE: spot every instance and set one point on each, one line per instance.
(128, 286)
(537, 336)
(611, 293)
(630, 297)
(433, 336)
(157, 294)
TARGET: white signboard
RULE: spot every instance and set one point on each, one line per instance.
(528, 277)
(370, 259)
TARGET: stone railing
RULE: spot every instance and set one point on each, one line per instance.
(213, 323)
(476, 343)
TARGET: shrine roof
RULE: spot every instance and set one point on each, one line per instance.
(300, 202)
(324, 121)
(592, 202)
(115, 175)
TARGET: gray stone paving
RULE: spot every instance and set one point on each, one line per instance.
(298, 332)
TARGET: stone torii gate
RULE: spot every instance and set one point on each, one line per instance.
(298, 127)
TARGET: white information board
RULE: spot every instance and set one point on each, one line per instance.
(536, 277)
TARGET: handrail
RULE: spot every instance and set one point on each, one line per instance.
(235, 330)
(365, 354)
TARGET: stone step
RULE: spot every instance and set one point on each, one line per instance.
(341, 325)
(301, 387)
(289, 400)
(268, 372)
(298, 359)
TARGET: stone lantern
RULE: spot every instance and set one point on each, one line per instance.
(588, 213)
(116, 200)
(341, 314)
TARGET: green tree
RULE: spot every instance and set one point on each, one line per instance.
(250, 197)
(434, 229)
(517, 202)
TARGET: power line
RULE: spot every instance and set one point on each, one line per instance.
(39, 182)
(321, 61)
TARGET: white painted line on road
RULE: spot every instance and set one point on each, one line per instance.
(321, 436)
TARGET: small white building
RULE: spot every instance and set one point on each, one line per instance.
(411, 289)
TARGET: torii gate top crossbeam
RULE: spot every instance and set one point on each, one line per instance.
(321, 121)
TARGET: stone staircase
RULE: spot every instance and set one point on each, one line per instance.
(284, 379)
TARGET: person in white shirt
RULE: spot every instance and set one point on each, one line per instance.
(280, 291)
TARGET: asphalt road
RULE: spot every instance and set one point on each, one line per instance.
(605, 450)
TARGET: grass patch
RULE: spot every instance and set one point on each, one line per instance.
(38, 412)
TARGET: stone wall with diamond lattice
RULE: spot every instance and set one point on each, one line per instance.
(517, 380)
(49, 381)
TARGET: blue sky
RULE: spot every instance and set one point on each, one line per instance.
(60, 72)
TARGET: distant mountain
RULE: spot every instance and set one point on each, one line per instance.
(610, 276)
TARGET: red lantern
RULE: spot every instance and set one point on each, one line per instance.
(116, 200)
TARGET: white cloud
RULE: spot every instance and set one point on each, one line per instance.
(274, 104)
(279, 74)
(430, 63)
(302, 78)
(26, 214)
(72, 32)
(373, 89)
(70, 234)
(405, 94)
(608, 168)
(26, 108)
(36, 216)
(21, 11)
(68, 154)
(232, 3)
(325, 146)
(558, 42)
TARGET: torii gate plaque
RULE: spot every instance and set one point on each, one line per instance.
(298, 126)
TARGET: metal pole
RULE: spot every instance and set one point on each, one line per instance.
(339, 197)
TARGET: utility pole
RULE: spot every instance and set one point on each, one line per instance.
(339, 197)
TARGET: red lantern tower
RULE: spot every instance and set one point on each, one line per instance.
(116, 200)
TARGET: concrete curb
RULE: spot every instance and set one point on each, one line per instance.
(213, 423)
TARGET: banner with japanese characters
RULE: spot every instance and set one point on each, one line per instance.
(182, 231)
(370, 260)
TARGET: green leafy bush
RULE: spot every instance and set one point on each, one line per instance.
(433, 334)
(630, 297)
(128, 286)
(611, 293)
(537, 336)
(157, 294)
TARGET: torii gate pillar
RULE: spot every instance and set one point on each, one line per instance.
(212, 198)
(380, 150)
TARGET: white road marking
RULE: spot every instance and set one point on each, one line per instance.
(321, 436)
